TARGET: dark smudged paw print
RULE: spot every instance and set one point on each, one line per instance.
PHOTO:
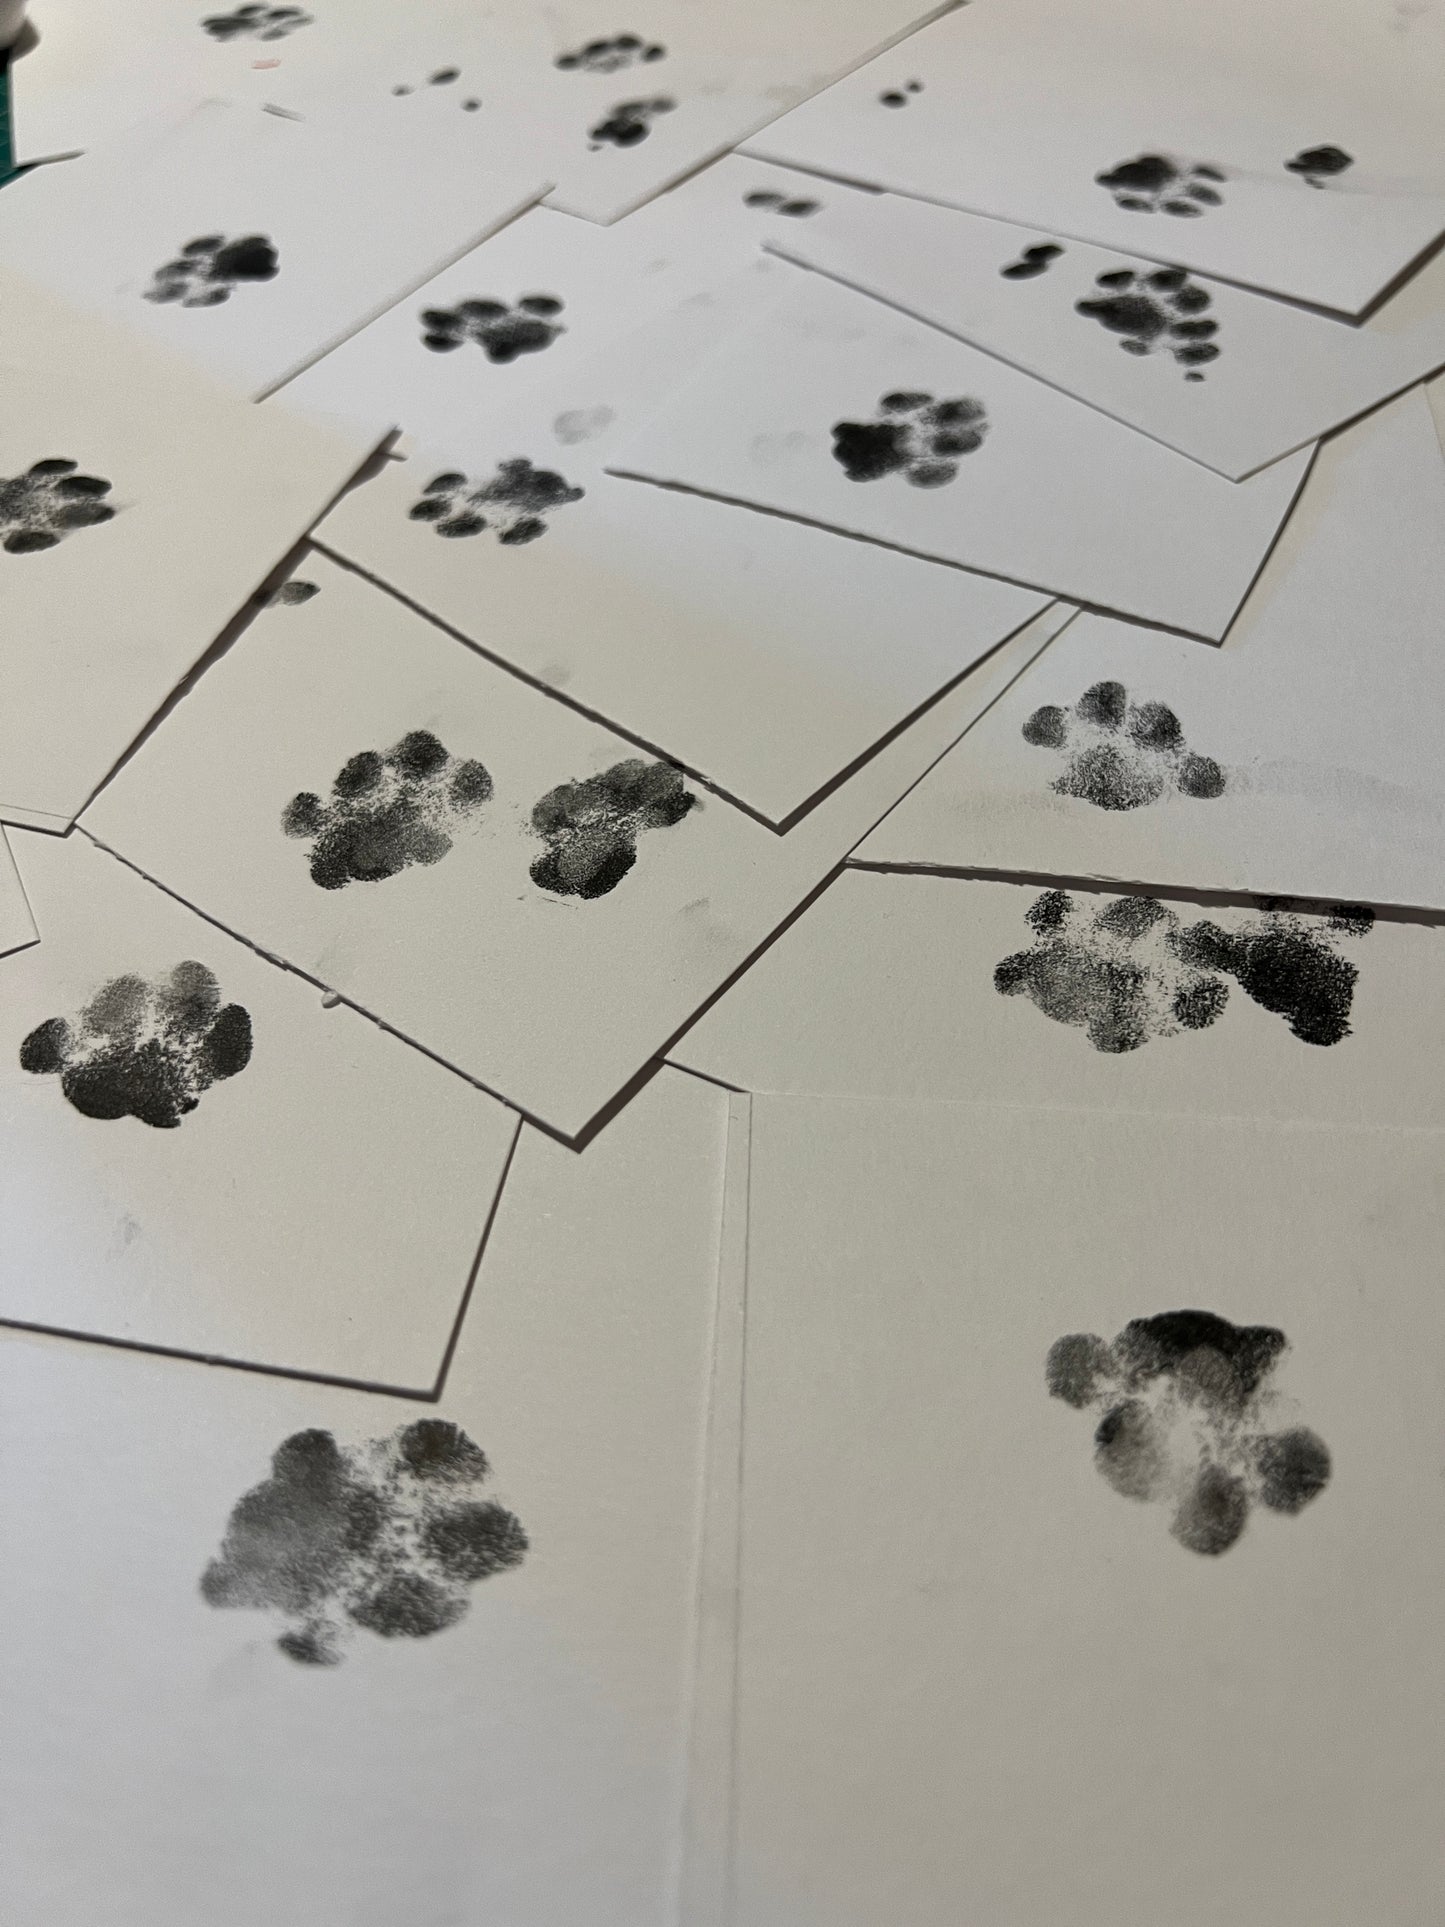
(629, 122)
(1133, 971)
(502, 332)
(389, 1535)
(1186, 1400)
(1033, 261)
(1151, 184)
(780, 203)
(144, 1050)
(40, 507)
(610, 56)
(1316, 165)
(387, 812)
(514, 504)
(1163, 308)
(591, 827)
(1122, 755)
(207, 269)
(256, 23)
(918, 437)
(901, 96)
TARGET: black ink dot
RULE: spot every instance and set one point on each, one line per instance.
(591, 827)
(48, 502)
(1035, 260)
(1320, 164)
(900, 96)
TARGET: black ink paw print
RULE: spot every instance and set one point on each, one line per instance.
(443, 77)
(206, 270)
(779, 203)
(389, 1535)
(387, 812)
(1151, 184)
(1287, 964)
(919, 437)
(502, 332)
(1162, 308)
(629, 122)
(144, 1050)
(515, 503)
(1185, 1398)
(591, 827)
(40, 507)
(1122, 755)
(256, 23)
(901, 96)
(1033, 261)
(1316, 165)
(611, 56)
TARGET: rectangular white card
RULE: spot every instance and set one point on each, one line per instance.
(1302, 758)
(198, 1157)
(842, 412)
(1114, 1654)
(17, 925)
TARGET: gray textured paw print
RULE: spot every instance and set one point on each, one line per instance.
(916, 437)
(1121, 755)
(514, 503)
(48, 502)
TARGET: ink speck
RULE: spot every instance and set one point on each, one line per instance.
(1035, 260)
(387, 812)
(1317, 165)
(779, 203)
(207, 270)
(42, 506)
(294, 591)
(502, 332)
(1162, 308)
(591, 827)
(611, 56)
(575, 425)
(916, 436)
(900, 96)
(1151, 183)
(1122, 755)
(256, 23)
(629, 122)
(514, 503)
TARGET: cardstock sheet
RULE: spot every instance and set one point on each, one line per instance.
(1022, 111)
(229, 238)
(524, 1764)
(1300, 759)
(826, 409)
(1015, 1695)
(17, 925)
(515, 890)
(1200, 363)
(198, 1157)
(124, 465)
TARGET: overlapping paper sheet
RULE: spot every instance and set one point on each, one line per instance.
(839, 411)
(1198, 364)
(141, 504)
(524, 1763)
(988, 1669)
(1292, 148)
(230, 235)
(194, 1155)
(763, 655)
(1302, 758)
(17, 925)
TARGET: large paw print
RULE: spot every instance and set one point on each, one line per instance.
(256, 23)
(1162, 308)
(514, 504)
(144, 1050)
(1151, 183)
(610, 56)
(1185, 1398)
(206, 270)
(49, 501)
(918, 437)
(389, 1536)
(1316, 165)
(387, 812)
(1122, 755)
(502, 332)
(591, 827)
(629, 122)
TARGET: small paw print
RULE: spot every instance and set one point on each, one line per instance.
(42, 506)
(780, 203)
(901, 96)
(207, 270)
(256, 23)
(591, 827)
(514, 503)
(918, 437)
(144, 1050)
(1316, 165)
(611, 56)
(500, 331)
(1122, 755)
(629, 122)
(387, 812)
(1163, 308)
(1033, 261)
(1151, 183)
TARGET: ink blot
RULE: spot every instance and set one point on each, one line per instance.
(591, 827)
(514, 504)
(1317, 165)
(1151, 183)
(917, 437)
(629, 122)
(1035, 260)
(388, 1535)
(207, 270)
(294, 591)
(901, 96)
(1122, 755)
(779, 203)
(1163, 308)
(387, 812)
(144, 1050)
(256, 23)
(500, 331)
(1185, 1398)
(610, 56)
(575, 425)
(42, 506)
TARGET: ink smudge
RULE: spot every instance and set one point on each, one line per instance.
(389, 1535)
(42, 506)
(442, 77)
(591, 827)
(1316, 165)
(256, 23)
(1151, 183)
(144, 1050)
(294, 591)
(629, 122)
(1163, 308)
(901, 96)
(779, 203)
(611, 56)
(387, 812)
(1122, 755)
(502, 332)
(514, 504)
(575, 425)
(1035, 260)
(916, 436)
(208, 270)
(1286, 967)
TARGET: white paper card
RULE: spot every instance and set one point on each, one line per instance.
(17, 925)
(840, 411)
(196, 1156)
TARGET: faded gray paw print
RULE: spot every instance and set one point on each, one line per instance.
(49, 501)
(1122, 755)
(917, 437)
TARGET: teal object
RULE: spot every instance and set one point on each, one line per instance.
(7, 143)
